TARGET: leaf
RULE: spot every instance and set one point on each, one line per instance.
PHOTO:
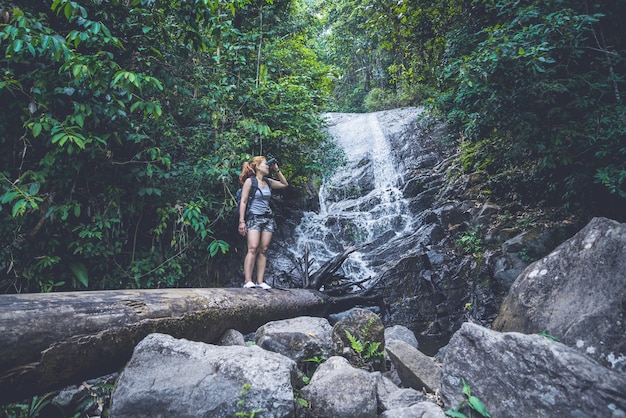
(466, 388)
(80, 272)
(478, 406)
(357, 345)
(456, 414)
(118, 76)
(34, 188)
(57, 138)
(67, 11)
(8, 196)
(37, 129)
(135, 105)
(17, 45)
(19, 208)
(213, 248)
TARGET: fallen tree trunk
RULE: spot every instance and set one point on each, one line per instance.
(52, 340)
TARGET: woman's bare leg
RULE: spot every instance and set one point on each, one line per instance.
(261, 258)
(254, 239)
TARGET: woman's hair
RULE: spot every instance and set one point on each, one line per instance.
(249, 168)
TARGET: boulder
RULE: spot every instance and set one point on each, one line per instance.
(521, 375)
(339, 390)
(169, 377)
(418, 410)
(297, 338)
(416, 370)
(232, 337)
(385, 387)
(400, 398)
(506, 268)
(577, 294)
(402, 333)
(367, 328)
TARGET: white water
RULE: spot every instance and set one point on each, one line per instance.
(359, 216)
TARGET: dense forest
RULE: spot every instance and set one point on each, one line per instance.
(124, 123)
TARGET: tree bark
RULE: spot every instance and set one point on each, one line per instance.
(52, 340)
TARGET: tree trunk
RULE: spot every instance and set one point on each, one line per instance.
(52, 340)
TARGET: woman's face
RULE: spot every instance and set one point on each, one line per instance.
(264, 167)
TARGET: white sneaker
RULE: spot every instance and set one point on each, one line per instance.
(264, 286)
(249, 285)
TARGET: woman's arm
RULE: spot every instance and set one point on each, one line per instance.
(281, 183)
(245, 192)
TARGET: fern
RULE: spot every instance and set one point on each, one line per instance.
(356, 344)
(371, 350)
(367, 351)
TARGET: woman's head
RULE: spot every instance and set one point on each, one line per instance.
(250, 167)
(257, 161)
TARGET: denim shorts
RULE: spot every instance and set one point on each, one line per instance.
(261, 223)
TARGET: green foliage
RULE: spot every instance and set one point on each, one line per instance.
(29, 410)
(125, 125)
(384, 52)
(242, 403)
(524, 255)
(380, 99)
(470, 242)
(548, 336)
(539, 81)
(473, 402)
(315, 361)
(369, 352)
(302, 402)
(533, 90)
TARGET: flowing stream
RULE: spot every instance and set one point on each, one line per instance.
(361, 203)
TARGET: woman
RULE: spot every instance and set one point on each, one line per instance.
(259, 225)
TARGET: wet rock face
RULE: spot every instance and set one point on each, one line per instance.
(432, 284)
(359, 184)
(427, 282)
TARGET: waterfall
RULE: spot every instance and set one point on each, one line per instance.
(361, 203)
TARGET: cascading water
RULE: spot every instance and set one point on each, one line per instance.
(361, 203)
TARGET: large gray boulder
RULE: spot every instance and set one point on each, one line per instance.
(577, 294)
(297, 338)
(168, 377)
(339, 390)
(523, 375)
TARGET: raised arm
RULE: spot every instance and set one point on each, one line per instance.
(280, 182)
